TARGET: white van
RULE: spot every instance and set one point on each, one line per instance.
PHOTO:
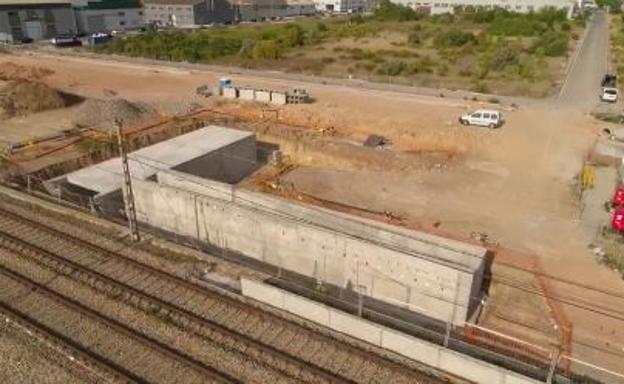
(482, 118)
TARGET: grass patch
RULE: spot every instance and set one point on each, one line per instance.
(493, 49)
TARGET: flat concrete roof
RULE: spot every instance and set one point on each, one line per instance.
(106, 177)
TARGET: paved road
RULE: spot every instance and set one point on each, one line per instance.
(582, 86)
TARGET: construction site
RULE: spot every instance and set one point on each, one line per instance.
(371, 213)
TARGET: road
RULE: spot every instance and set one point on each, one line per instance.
(589, 64)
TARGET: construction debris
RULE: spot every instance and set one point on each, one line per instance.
(101, 114)
(269, 96)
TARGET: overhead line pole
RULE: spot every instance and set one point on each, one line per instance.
(128, 195)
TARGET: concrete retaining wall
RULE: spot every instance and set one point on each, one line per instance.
(430, 275)
(431, 354)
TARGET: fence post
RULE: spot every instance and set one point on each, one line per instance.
(553, 366)
(28, 185)
(447, 334)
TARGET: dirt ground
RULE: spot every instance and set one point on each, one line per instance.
(517, 183)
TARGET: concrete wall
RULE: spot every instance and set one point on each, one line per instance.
(426, 274)
(428, 353)
(106, 20)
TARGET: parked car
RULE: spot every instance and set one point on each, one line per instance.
(483, 118)
(609, 94)
(66, 41)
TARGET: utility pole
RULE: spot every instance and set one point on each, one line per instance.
(128, 195)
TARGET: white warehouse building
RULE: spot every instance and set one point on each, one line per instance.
(342, 6)
(448, 6)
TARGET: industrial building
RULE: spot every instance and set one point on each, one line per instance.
(108, 15)
(340, 6)
(522, 6)
(213, 152)
(187, 13)
(35, 19)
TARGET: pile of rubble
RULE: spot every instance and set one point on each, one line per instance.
(102, 114)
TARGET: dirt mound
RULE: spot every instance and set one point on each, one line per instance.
(101, 114)
(18, 98)
(12, 71)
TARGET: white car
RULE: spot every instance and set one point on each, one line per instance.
(482, 118)
(609, 94)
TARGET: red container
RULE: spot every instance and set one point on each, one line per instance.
(617, 221)
(618, 196)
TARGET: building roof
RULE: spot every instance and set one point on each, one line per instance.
(112, 4)
(106, 176)
(173, 2)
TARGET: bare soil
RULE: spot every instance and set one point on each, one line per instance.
(517, 184)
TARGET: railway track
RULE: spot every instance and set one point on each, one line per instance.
(288, 351)
(52, 314)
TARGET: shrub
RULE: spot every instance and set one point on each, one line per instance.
(292, 36)
(392, 68)
(552, 43)
(413, 38)
(454, 38)
(443, 69)
(503, 57)
(266, 49)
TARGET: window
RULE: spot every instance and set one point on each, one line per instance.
(121, 14)
(122, 23)
(140, 13)
(476, 115)
(518, 7)
(486, 115)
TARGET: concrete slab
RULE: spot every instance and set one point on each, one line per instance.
(106, 176)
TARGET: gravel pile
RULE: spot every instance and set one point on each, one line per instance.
(101, 114)
(19, 98)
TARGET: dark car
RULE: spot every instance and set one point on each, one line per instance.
(66, 41)
(27, 40)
